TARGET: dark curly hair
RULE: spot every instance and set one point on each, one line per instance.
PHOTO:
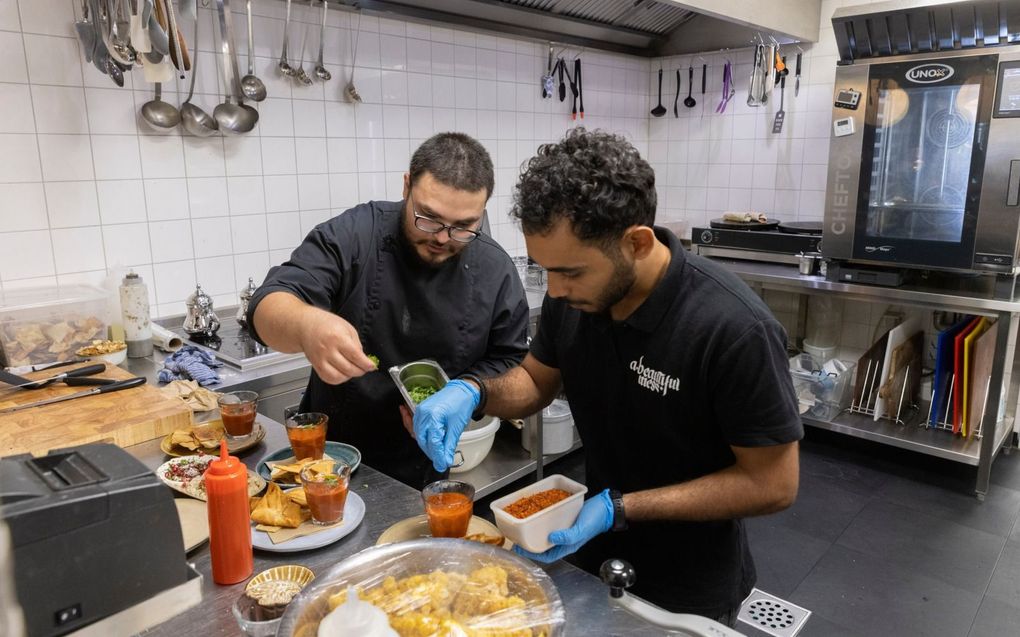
(456, 160)
(594, 179)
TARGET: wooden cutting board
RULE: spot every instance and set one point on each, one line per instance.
(124, 417)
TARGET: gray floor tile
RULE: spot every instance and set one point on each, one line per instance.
(1015, 535)
(1006, 470)
(852, 475)
(818, 626)
(870, 596)
(995, 619)
(824, 508)
(782, 556)
(917, 542)
(1005, 584)
(995, 514)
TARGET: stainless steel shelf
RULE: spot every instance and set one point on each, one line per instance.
(507, 462)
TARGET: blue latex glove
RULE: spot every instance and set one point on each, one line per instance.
(440, 419)
(596, 517)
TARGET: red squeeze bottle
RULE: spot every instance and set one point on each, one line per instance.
(226, 484)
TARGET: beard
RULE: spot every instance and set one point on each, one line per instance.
(410, 248)
(620, 284)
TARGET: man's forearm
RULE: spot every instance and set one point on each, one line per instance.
(278, 318)
(515, 394)
(732, 492)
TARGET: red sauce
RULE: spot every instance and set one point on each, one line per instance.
(308, 441)
(326, 500)
(449, 514)
(238, 422)
(535, 502)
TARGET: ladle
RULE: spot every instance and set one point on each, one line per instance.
(195, 120)
(251, 86)
(689, 101)
(299, 72)
(659, 110)
(283, 65)
(159, 113)
(350, 91)
(321, 71)
(232, 118)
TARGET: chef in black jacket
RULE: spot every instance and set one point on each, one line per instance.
(676, 374)
(402, 281)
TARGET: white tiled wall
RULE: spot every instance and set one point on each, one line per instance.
(86, 186)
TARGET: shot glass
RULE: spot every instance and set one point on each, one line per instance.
(307, 435)
(325, 483)
(237, 411)
(252, 619)
(448, 505)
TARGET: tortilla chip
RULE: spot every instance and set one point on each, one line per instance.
(275, 509)
(298, 496)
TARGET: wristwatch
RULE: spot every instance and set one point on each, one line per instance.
(483, 395)
(619, 515)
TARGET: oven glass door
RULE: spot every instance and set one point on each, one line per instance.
(924, 144)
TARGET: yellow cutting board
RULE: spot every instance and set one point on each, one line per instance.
(124, 417)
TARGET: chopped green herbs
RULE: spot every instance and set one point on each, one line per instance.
(421, 392)
(374, 359)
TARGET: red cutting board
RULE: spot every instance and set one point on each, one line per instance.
(124, 417)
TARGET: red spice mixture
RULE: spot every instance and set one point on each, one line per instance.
(534, 503)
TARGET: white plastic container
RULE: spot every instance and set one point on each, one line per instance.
(475, 443)
(48, 324)
(532, 532)
(557, 429)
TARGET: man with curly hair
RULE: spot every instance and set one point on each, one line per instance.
(676, 374)
(401, 280)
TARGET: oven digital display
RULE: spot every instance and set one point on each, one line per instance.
(1007, 96)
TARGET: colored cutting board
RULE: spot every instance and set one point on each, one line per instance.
(981, 372)
(959, 369)
(123, 417)
(968, 369)
(940, 411)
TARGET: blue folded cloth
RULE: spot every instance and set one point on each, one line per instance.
(190, 363)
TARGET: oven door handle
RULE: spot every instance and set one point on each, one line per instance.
(1013, 185)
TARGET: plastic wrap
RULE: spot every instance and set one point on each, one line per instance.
(436, 588)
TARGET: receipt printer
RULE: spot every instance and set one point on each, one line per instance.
(93, 532)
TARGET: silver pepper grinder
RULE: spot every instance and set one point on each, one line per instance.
(201, 320)
(242, 310)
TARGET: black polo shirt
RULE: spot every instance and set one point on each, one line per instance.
(658, 399)
(470, 315)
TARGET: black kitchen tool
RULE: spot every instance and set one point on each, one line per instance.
(704, 71)
(659, 110)
(80, 376)
(580, 87)
(690, 102)
(676, 112)
(722, 224)
(101, 389)
(575, 91)
(777, 124)
(796, 73)
(560, 66)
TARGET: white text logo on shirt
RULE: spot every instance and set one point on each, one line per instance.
(653, 380)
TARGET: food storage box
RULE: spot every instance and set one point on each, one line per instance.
(532, 532)
(48, 324)
(822, 392)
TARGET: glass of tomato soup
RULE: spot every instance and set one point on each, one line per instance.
(325, 483)
(449, 505)
(237, 411)
(307, 435)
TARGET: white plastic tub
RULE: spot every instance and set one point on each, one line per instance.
(475, 443)
(532, 533)
(557, 429)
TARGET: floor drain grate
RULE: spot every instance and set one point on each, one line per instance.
(772, 615)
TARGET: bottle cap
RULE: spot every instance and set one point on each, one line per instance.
(225, 464)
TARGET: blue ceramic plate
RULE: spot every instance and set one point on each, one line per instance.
(335, 450)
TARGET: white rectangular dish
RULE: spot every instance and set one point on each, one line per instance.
(532, 532)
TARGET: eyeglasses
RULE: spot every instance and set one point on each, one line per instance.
(433, 226)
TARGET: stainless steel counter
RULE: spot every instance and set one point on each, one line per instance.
(387, 501)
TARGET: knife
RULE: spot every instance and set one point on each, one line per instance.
(27, 369)
(101, 389)
(73, 377)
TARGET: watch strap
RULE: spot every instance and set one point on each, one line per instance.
(483, 395)
(619, 515)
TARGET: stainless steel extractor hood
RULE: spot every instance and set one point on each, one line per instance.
(636, 27)
(897, 27)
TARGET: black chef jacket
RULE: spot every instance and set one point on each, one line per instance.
(470, 315)
(658, 399)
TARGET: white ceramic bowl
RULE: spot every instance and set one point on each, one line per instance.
(475, 443)
(532, 532)
(113, 358)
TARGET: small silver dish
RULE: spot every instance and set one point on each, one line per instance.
(420, 373)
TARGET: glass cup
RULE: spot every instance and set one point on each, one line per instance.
(237, 411)
(252, 619)
(307, 435)
(325, 483)
(449, 505)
